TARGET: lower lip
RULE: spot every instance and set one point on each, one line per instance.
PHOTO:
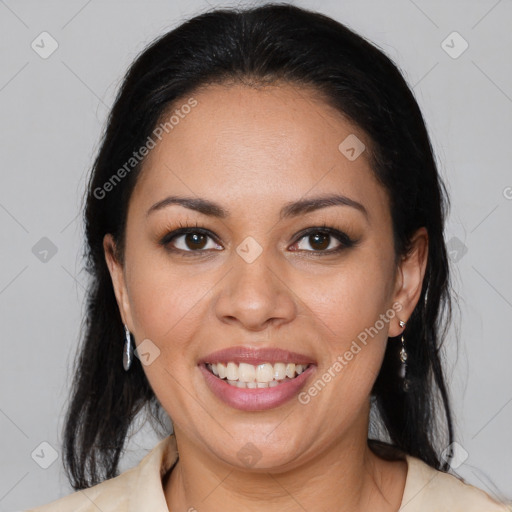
(247, 399)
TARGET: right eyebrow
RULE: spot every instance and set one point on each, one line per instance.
(203, 206)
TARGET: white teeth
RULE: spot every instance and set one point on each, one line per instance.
(279, 371)
(232, 371)
(290, 370)
(264, 375)
(246, 372)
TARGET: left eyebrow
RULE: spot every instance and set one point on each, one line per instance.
(292, 209)
(296, 208)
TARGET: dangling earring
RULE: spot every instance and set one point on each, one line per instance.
(128, 349)
(402, 372)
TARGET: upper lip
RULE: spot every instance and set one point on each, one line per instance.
(255, 356)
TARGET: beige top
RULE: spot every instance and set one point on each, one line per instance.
(140, 489)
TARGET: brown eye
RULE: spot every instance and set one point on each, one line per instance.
(319, 241)
(325, 240)
(195, 240)
(189, 240)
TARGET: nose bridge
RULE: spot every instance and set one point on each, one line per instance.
(255, 290)
(254, 269)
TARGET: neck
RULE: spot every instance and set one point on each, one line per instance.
(345, 475)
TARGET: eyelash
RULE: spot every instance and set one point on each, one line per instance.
(345, 241)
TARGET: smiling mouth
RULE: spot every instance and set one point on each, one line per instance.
(266, 375)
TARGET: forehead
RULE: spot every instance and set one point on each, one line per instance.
(258, 145)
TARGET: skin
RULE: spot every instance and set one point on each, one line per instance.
(252, 150)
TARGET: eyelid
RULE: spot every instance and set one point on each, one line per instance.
(184, 230)
(345, 241)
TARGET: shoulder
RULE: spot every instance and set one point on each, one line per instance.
(135, 489)
(428, 489)
(110, 495)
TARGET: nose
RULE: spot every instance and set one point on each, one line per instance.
(255, 295)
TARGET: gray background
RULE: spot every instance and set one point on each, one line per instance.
(53, 111)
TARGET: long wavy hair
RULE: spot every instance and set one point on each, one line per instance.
(267, 44)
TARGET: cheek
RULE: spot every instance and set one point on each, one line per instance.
(168, 308)
(347, 307)
(350, 299)
(166, 300)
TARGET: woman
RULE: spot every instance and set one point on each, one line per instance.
(265, 225)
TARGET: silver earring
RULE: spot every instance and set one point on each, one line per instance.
(128, 349)
(402, 372)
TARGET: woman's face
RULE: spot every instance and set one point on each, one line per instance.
(260, 271)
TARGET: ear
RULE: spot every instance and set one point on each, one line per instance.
(409, 279)
(118, 280)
